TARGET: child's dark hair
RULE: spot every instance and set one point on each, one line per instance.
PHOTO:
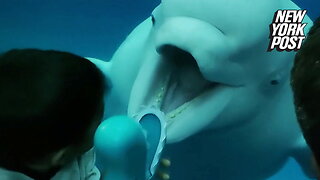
(306, 87)
(48, 99)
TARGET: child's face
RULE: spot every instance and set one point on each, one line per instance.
(75, 151)
(56, 161)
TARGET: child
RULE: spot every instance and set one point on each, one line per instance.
(50, 106)
(306, 88)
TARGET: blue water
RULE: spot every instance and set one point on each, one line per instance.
(312, 6)
(89, 28)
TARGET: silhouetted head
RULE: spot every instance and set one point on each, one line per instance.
(306, 88)
(50, 105)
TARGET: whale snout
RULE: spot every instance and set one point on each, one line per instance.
(208, 45)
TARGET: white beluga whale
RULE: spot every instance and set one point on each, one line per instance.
(227, 101)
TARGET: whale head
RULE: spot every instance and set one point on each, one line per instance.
(206, 65)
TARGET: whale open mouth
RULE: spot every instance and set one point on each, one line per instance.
(185, 81)
(173, 84)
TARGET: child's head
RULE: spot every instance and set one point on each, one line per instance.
(50, 105)
(306, 88)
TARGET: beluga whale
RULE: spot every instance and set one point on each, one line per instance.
(227, 100)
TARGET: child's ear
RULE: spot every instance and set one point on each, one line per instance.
(56, 159)
(60, 157)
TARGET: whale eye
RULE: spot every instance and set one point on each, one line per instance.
(153, 19)
(274, 82)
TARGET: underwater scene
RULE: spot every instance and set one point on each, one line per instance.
(197, 89)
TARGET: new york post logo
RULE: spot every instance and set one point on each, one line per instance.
(287, 30)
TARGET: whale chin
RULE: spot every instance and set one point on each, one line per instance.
(173, 84)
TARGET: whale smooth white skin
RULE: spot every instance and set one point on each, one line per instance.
(227, 100)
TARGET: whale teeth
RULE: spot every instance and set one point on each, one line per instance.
(172, 116)
(158, 99)
(176, 112)
(164, 176)
(165, 162)
(160, 95)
